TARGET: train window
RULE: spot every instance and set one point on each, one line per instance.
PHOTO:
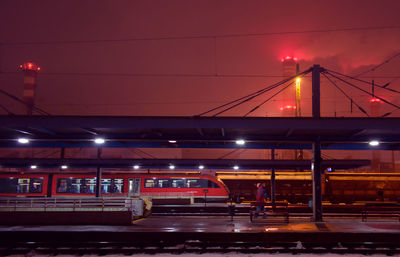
(178, 183)
(149, 183)
(76, 185)
(163, 183)
(112, 185)
(212, 184)
(199, 183)
(21, 185)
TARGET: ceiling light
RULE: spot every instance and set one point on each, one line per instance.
(33, 167)
(136, 167)
(172, 141)
(201, 167)
(240, 142)
(171, 167)
(64, 167)
(374, 143)
(235, 167)
(99, 140)
(23, 140)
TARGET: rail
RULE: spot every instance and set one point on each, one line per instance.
(66, 204)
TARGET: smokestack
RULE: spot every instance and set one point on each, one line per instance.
(30, 73)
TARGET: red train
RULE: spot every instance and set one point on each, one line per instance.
(196, 188)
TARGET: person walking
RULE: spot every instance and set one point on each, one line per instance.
(262, 195)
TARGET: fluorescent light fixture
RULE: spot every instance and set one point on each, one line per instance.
(235, 167)
(64, 167)
(33, 167)
(136, 167)
(201, 167)
(172, 141)
(99, 140)
(374, 143)
(240, 142)
(171, 167)
(23, 140)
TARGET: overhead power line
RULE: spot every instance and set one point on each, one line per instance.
(366, 82)
(379, 65)
(348, 97)
(351, 84)
(198, 36)
(23, 102)
(251, 96)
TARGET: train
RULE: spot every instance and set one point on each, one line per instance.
(293, 187)
(189, 188)
(337, 187)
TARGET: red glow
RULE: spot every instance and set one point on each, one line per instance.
(375, 100)
(288, 107)
(29, 66)
(288, 58)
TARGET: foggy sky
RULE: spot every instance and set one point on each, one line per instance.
(194, 73)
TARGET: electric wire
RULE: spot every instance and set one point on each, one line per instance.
(259, 105)
(23, 102)
(6, 110)
(380, 98)
(348, 97)
(252, 95)
(197, 37)
(379, 65)
(366, 82)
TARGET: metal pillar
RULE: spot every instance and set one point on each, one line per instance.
(316, 185)
(273, 178)
(316, 147)
(98, 175)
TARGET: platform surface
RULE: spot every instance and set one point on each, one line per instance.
(240, 224)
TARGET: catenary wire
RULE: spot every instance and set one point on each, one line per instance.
(366, 82)
(254, 94)
(351, 84)
(259, 105)
(348, 97)
(199, 36)
(379, 65)
(23, 102)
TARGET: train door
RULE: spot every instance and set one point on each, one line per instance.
(134, 187)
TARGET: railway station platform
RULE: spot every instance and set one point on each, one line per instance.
(211, 234)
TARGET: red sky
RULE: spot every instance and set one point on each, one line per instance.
(113, 90)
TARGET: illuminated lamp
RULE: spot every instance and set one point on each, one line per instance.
(240, 142)
(23, 140)
(64, 167)
(99, 140)
(375, 100)
(136, 167)
(287, 107)
(33, 167)
(201, 167)
(171, 167)
(172, 141)
(235, 167)
(374, 143)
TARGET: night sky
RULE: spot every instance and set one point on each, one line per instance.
(185, 57)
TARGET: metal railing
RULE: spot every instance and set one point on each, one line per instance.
(67, 204)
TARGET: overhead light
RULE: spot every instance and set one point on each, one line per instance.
(172, 141)
(136, 167)
(99, 140)
(201, 167)
(235, 167)
(171, 167)
(64, 167)
(33, 167)
(374, 143)
(240, 142)
(23, 140)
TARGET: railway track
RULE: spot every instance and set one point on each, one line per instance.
(101, 243)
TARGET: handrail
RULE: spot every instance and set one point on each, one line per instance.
(70, 204)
